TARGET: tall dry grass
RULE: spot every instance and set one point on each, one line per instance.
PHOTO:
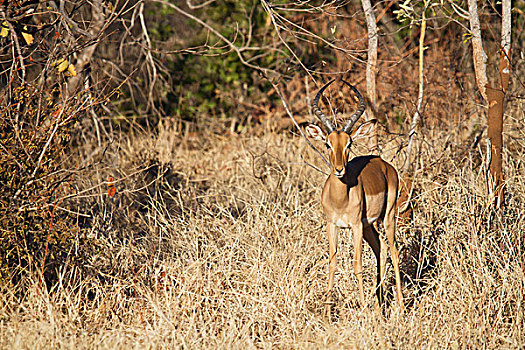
(219, 242)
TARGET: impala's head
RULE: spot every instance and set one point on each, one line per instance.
(338, 142)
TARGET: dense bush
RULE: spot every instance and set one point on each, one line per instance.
(35, 135)
(210, 81)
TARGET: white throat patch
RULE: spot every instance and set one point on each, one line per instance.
(341, 223)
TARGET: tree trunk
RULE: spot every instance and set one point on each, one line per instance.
(496, 110)
(506, 33)
(371, 64)
(495, 129)
(495, 97)
(478, 54)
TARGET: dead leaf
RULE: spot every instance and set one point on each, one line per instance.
(4, 30)
(27, 37)
(71, 70)
(62, 65)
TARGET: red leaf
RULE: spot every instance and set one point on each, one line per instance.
(111, 186)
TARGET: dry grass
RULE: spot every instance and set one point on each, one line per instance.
(219, 243)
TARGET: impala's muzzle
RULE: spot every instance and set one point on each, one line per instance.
(339, 172)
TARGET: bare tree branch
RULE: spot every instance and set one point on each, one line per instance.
(417, 114)
(235, 48)
(290, 114)
(17, 45)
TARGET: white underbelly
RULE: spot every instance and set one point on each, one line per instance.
(343, 221)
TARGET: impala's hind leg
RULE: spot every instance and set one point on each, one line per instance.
(380, 250)
(390, 229)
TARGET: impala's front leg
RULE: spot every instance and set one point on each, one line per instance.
(332, 261)
(358, 260)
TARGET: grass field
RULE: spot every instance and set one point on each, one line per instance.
(219, 242)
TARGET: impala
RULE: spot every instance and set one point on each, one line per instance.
(357, 193)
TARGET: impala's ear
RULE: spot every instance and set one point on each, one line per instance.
(315, 132)
(363, 129)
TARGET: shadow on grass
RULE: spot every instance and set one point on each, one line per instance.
(418, 263)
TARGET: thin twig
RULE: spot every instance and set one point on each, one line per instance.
(148, 55)
(198, 6)
(417, 114)
(290, 114)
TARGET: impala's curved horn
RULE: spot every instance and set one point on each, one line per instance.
(317, 111)
(360, 109)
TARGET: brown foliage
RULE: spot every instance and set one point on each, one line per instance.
(35, 134)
